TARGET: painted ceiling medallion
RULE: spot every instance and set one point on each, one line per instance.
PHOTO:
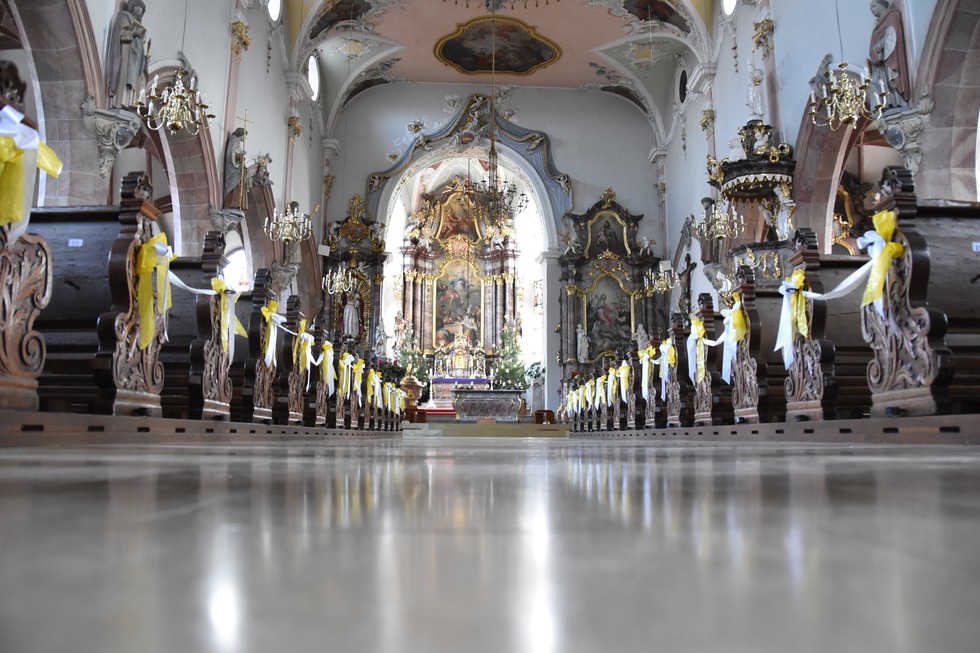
(520, 50)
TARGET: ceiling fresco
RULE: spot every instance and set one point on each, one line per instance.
(501, 44)
(632, 48)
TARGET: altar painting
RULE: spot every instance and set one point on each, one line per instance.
(456, 217)
(608, 317)
(459, 305)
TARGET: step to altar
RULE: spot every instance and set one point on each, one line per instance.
(498, 429)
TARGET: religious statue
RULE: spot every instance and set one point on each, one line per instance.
(756, 75)
(352, 315)
(402, 329)
(127, 54)
(889, 69)
(641, 338)
(785, 209)
(583, 344)
(235, 168)
(380, 338)
(261, 175)
(735, 149)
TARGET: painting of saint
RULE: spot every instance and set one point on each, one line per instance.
(608, 318)
(459, 304)
(606, 233)
(507, 44)
(456, 218)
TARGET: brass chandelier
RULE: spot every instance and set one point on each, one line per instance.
(177, 107)
(715, 224)
(839, 100)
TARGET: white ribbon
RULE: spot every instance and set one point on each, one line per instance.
(611, 386)
(875, 244)
(25, 137)
(692, 357)
(327, 359)
(730, 351)
(378, 402)
(664, 348)
(275, 323)
(645, 374)
(229, 319)
(597, 402)
(784, 337)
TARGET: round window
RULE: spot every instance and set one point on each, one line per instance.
(728, 6)
(682, 87)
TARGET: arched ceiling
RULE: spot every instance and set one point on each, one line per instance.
(628, 47)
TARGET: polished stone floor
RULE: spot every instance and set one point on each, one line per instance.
(489, 545)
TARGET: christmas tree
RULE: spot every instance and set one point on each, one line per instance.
(510, 371)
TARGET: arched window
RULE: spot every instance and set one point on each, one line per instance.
(313, 76)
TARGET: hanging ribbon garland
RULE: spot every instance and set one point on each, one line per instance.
(795, 290)
(358, 370)
(611, 379)
(152, 264)
(327, 371)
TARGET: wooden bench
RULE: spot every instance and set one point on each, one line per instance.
(926, 348)
(91, 327)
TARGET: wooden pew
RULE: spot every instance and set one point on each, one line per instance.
(749, 373)
(91, 327)
(926, 348)
(259, 384)
(26, 278)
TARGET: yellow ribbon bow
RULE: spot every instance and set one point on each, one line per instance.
(268, 312)
(152, 260)
(15, 138)
(624, 380)
(798, 302)
(885, 223)
(740, 327)
(220, 286)
(370, 385)
(298, 343)
(358, 374)
(671, 353)
(327, 372)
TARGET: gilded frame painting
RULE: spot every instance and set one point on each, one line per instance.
(458, 309)
(503, 44)
(607, 232)
(609, 316)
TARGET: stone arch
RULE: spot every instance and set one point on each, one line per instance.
(949, 74)
(818, 173)
(66, 70)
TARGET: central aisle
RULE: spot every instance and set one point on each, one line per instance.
(489, 545)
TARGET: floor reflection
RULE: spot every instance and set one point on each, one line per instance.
(489, 545)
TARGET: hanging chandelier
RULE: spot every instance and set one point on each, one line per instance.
(715, 224)
(177, 107)
(841, 99)
(291, 227)
(495, 202)
(339, 282)
(663, 280)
